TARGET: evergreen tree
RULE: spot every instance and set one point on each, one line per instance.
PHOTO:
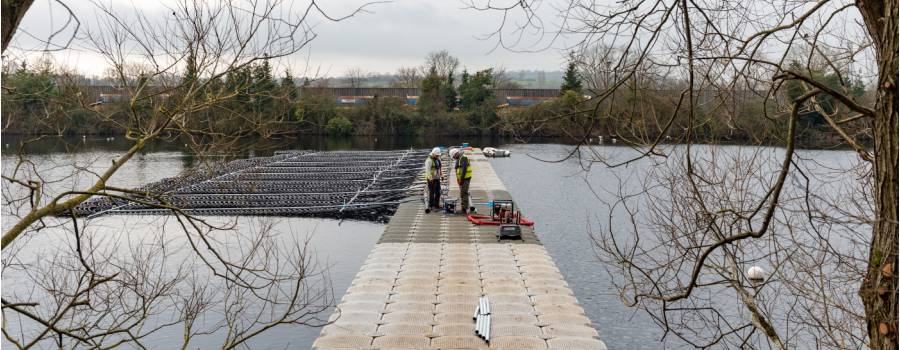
(239, 81)
(477, 100)
(288, 85)
(571, 81)
(190, 70)
(263, 83)
(476, 90)
(848, 85)
(448, 91)
(214, 86)
(262, 87)
(28, 91)
(430, 102)
(438, 92)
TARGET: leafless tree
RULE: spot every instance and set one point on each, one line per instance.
(703, 216)
(444, 63)
(502, 80)
(59, 38)
(354, 77)
(595, 67)
(408, 77)
(323, 82)
(93, 291)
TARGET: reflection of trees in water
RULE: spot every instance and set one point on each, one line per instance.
(722, 212)
(154, 281)
(103, 289)
(261, 147)
(662, 227)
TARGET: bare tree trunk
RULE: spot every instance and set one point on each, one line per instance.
(13, 11)
(879, 289)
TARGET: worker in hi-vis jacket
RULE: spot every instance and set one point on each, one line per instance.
(433, 178)
(463, 177)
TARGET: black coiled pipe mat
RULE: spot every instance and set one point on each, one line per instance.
(364, 185)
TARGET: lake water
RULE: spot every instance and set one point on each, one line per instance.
(559, 196)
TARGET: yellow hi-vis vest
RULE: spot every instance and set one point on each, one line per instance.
(463, 164)
(432, 168)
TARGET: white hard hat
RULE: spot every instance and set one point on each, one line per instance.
(436, 151)
(454, 152)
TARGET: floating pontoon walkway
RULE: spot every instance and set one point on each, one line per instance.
(420, 286)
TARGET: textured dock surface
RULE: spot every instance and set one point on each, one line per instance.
(419, 287)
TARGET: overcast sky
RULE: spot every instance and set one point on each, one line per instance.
(394, 34)
(401, 32)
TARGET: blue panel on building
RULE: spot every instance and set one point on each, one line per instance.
(522, 102)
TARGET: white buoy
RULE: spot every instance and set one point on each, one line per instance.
(756, 274)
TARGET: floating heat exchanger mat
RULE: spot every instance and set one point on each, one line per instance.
(349, 184)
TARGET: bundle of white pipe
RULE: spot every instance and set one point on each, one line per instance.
(483, 319)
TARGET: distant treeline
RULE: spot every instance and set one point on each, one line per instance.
(39, 101)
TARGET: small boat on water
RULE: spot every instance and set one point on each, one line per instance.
(495, 152)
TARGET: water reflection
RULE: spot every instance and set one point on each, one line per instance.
(567, 204)
(336, 252)
(560, 197)
(258, 147)
(340, 248)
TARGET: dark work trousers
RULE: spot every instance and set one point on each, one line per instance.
(464, 194)
(434, 193)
